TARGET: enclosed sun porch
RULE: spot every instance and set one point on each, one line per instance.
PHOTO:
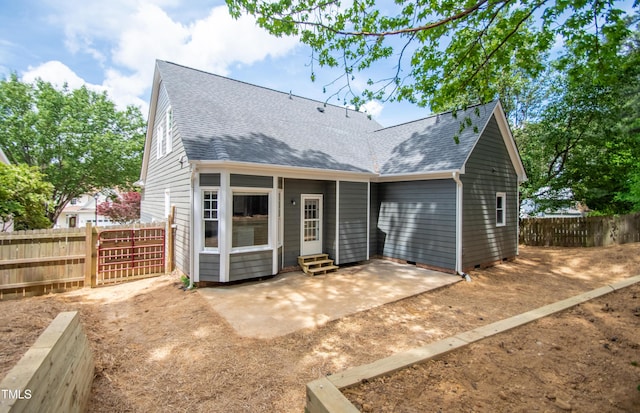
(248, 226)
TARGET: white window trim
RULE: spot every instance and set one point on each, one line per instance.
(280, 217)
(256, 248)
(250, 191)
(202, 219)
(502, 195)
(169, 130)
(160, 138)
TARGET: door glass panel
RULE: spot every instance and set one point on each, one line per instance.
(311, 220)
(311, 209)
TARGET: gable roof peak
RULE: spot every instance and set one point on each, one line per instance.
(222, 119)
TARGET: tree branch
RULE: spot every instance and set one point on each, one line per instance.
(406, 30)
(504, 40)
(483, 32)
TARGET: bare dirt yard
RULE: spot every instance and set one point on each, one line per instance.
(161, 349)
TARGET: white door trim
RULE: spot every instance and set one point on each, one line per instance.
(314, 229)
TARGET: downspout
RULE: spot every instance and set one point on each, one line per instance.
(337, 239)
(191, 220)
(368, 219)
(274, 224)
(456, 178)
(518, 217)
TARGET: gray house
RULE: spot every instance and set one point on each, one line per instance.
(264, 181)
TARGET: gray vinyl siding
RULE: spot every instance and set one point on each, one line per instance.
(168, 173)
(248, 265)
(488, 170)
(251, 181)
(210, 267)
(373, 219)
(209, 180)
(417, 221)
(353, 222)
(144, 215)
(293, 188)
(329, 216)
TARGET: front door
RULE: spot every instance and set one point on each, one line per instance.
(311, 225)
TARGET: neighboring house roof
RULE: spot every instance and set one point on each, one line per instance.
(84, 203)
(3, 158)
(225, 120)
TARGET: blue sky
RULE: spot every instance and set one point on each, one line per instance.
(112, 45)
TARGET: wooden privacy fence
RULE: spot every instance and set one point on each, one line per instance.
(42, 261)
(580, 231)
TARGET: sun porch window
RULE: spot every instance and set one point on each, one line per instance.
(210, 218)
(250, 227)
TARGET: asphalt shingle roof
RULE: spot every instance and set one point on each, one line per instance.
(225, 119)
(428, 145)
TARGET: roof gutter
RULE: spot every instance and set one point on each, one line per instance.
(418, 176)
(286, 171)
(456, 178)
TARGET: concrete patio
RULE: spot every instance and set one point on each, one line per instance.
(293, 301)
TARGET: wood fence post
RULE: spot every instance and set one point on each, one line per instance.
(91, 259)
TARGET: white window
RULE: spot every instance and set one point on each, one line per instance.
(250, 219)
(169, 130)
(501, 209)
(160, 137)
(210, 218)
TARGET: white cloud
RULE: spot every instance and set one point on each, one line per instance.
(57, 73)
(127, 89)
(149, 34)
(122, 91)
(213, 43)
(127, 37)
(374, 108)
(221, 41)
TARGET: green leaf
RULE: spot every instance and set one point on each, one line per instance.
(77, 139)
